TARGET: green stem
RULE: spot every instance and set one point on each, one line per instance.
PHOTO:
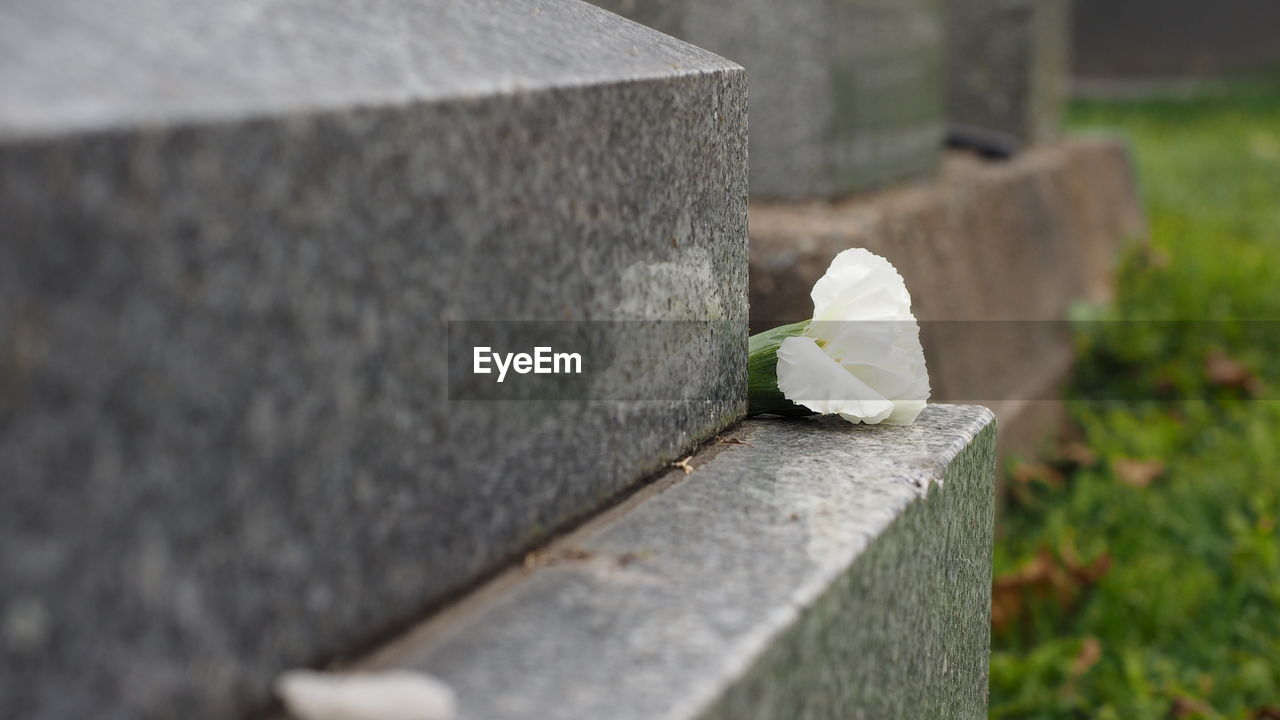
(763, 395)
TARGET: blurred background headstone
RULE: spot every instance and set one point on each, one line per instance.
(845, 95)
(1007, 65)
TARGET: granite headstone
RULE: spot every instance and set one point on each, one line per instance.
(1007, 65)
(235, 234)
(846, 95)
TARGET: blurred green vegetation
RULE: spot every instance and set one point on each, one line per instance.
(1138, 564)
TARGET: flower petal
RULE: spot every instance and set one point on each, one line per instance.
(885, 355)
(809, 377)
(860, 285)
(389, 695)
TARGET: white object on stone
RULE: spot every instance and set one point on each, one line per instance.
(860, 357)
(391, 695)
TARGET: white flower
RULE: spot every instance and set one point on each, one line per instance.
(860, 357)
(391, 695)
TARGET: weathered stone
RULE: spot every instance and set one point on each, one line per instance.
(234, 234)
(993, 254)
(819, 570)
(1007, 65)
(846, 95)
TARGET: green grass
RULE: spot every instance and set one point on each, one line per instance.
(1163, 600)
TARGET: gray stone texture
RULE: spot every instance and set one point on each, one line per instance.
(993, 253)
(823, 570)
(1007, 65)
(234, 233)
(846, 95)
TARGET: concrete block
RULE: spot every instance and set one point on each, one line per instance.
(819, 570)
(1007, 65)
(235, 233)
(846, 95)
(993, 253)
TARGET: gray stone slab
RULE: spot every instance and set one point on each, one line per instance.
(824, 570)
(1007, 65)
(846, 95)
(234, 235)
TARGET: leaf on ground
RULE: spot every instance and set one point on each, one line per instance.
(1063, 577)
(1079, 453)
(1184, 708)
(1089, 655)
(1007, 607)
(1225, 371)
(734, 441)
(1028, 472)
(1138, 473)
(1088, 573)
(684, 465)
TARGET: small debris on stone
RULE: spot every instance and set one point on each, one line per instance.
(536, 559)
(575, 554)
(684, 465)
(735, 441)
(626, 559)
(391, 695)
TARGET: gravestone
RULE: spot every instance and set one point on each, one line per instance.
(846, 95)
(1007, 65)
(813, 569)
(236, 235)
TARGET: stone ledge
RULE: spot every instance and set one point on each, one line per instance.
(820, 569)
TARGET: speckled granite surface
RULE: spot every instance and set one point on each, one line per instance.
(71, 66)
(230, 254)
(825, 570)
